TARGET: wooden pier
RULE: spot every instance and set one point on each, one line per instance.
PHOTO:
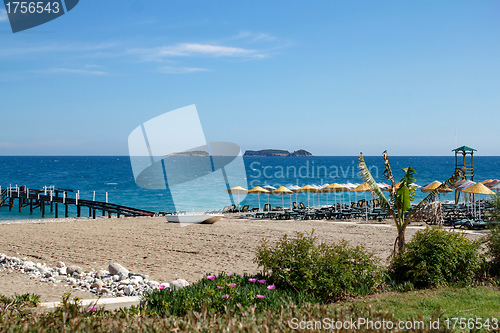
(53, 198)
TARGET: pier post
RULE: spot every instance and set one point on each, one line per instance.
(31, 206)
(93, 213)
(90, 211)
(11, 203)
(57, 211)
(51, 206)
(66, 210)
(42, 207)
(78, 211)
(20, 203)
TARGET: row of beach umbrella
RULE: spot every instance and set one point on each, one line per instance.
(289, 190)
(466, 186)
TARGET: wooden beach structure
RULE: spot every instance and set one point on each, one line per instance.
(466, 161)
(51, 199)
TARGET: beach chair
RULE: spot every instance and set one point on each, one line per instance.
(295, 205)
(232, 209)
(244, 209)
(225, 209)
(301, 205)
(267, 208)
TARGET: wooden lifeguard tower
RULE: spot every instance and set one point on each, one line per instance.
(465, 161)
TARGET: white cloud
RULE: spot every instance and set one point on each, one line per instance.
(193, 50)
(3, 15)
(255, 37)
(61, 70)
(55, 48)
(181, 70)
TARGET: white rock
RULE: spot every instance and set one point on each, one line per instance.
(179, 284)
(129, 290)
(60, 264)
(44, 272)
(62, 271)
(28, 264)
(72, 282)
(116, 278)
(102, 273)
(137, 278)
(116, 268)
(153, 284)
(125, 282)
(73, 269)
(105, 291)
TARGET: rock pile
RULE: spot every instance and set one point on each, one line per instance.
(116, 281)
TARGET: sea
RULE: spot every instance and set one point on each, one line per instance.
(112, 177)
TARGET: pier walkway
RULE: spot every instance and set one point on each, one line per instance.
(50, 199)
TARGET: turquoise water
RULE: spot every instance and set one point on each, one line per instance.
(113, 174)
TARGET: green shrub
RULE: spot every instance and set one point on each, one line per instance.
(221, 293)
(492, 241)
(436, 257)
(330, 272)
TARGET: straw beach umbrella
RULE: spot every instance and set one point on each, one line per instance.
(363, 188)
(238, 190)
(479, 189)
(334, 187)
(308, 189)
(434, 185)
(282, 190)
(258, 190)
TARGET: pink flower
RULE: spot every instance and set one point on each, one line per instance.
(271, 287)
(252, 280)
(232, 284)
(219, 287)
(211, 277)
(226, 297)
(373, 274)
(260, 296)
(92, 308)
(230, 275)
(161, 286)
(262, 281)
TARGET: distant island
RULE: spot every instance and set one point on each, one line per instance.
(277, 152)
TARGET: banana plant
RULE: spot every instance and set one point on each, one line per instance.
(402, 196)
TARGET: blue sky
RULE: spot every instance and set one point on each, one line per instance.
(332, 77)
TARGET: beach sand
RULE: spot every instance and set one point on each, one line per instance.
(167, 251)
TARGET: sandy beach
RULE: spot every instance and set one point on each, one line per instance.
(166, 251)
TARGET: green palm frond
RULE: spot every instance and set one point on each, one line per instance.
(368, 178)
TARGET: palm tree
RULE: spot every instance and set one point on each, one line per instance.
(401, 197)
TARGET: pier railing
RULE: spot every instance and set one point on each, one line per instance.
(50, 198)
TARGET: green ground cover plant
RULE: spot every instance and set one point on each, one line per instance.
(442, 303)
(224, 292)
